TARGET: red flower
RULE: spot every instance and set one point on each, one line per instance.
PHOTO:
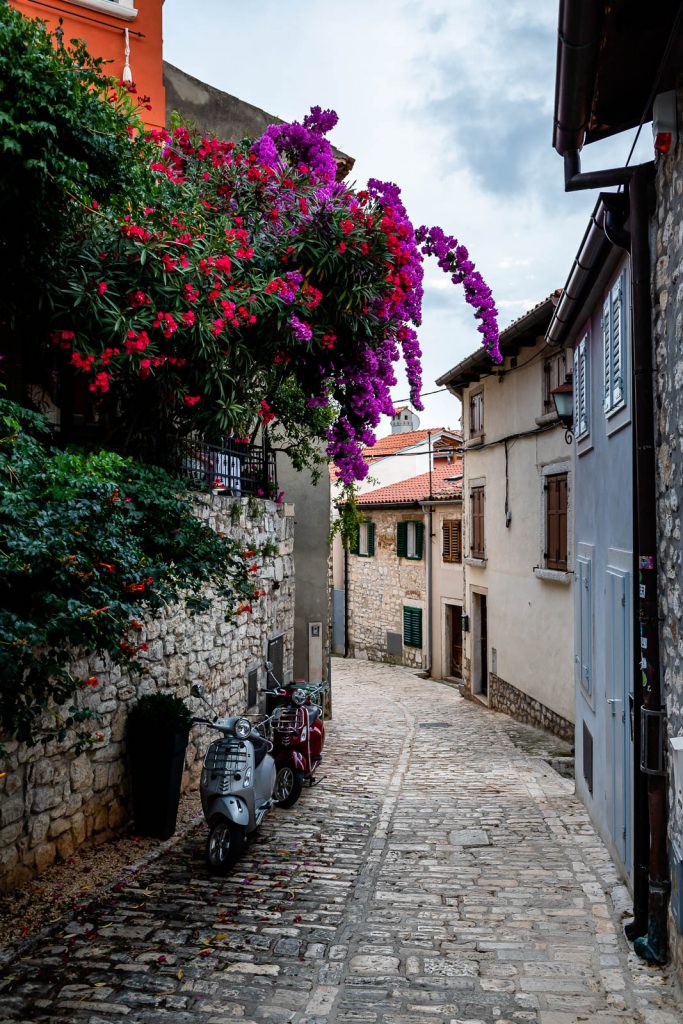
(191, 399)
(341, 247)
(102, 287)
(347, 226)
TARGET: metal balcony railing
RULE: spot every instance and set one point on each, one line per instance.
(236, 468)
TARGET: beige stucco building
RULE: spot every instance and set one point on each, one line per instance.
(518, 561)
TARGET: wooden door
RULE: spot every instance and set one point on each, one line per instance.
(456, 642)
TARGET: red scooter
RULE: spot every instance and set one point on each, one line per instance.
(298, 737)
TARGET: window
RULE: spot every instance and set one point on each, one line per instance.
(119, 8)
(364, 545)
(451, 531)
(613, 339)
(412, 627)
(477, 548)
(556, 522)
(477, 414)
(409, 540)
(554, 374)
(581, 389)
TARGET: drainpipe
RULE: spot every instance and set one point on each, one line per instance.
(429, 583)
(651, 885)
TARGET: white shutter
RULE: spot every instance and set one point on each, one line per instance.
(618, 389)
(606, 325)
(584, 625)
(583, 388)
(577, 410)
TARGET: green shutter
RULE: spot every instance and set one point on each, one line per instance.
(412, 627)
(402, 540)
(419, 539)
(371, 539)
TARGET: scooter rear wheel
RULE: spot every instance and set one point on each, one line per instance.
(224, 845)
(288, 786)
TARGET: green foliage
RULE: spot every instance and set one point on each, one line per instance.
(160, 713)
(64, 143)
(347, 523)
(90, 545)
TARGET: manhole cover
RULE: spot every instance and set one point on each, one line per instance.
(434, 725)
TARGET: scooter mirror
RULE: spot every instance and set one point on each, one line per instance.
(197, 690)
(269, 666)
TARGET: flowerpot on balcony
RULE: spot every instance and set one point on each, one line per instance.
(157, 735)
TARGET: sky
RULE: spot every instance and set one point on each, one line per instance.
(450, 99)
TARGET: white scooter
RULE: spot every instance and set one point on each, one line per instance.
(236, 785)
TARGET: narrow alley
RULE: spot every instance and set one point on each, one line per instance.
(438, 874)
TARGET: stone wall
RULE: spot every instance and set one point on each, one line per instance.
(667, 298)
(379, 587)
(520, 706)
(52, 800)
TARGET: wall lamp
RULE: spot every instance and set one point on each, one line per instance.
(563, 397)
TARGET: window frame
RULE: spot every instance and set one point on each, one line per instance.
(550, 483)
(451, 538)
(582, 396)
(366, 533)
(476, 408)
(554, 374)
(613, 329)
(123, 9)
(403, 535)
(479, 490)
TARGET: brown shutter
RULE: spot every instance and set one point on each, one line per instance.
(451, 530)
(447, 550)
(556, 521)
(477, 517)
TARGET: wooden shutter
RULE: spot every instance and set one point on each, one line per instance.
(371, 539)
(402, 539)
(617, 342)
(584, 624)
(477, 519)
(412, 627)
(606, 325)
(556, 521)
(581, 387)
(452, 540)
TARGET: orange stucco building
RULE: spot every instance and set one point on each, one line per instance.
(109, 27)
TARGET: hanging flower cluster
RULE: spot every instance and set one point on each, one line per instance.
(246, 285)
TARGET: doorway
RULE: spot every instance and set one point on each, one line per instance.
(455, 642)
(480, 652)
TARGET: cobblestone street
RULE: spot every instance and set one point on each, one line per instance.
(438, 874)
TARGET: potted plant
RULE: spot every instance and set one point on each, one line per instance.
(157, 734)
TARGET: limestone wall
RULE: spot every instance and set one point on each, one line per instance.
(667, 298)
(379, 587)
(51, 800)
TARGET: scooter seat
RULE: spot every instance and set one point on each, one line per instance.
(260, 749)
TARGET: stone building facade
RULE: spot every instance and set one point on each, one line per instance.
(51, 800)
(380, 587)
(667, 301)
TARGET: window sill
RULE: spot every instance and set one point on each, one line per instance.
(475, 440)
(553, 575)
(477, 563)
(121, 11)
(546, 418)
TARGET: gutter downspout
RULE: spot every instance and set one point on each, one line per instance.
(430, 567)
(653, 945)
(651, 885)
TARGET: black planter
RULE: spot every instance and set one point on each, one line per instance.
(156, 761)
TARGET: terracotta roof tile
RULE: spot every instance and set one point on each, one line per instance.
(443, 486)
(396, 442)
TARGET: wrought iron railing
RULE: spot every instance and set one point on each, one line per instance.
(233, 467)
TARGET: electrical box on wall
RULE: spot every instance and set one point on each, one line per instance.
(315, 652)
(677, 886)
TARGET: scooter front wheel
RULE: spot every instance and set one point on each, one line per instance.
(224, 845)
(288, 786)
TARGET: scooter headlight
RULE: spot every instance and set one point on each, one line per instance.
(242, 728)
(299, 696)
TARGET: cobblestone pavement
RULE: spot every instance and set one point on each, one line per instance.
(438, 874)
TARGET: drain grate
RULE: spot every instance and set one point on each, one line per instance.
(434, 725)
